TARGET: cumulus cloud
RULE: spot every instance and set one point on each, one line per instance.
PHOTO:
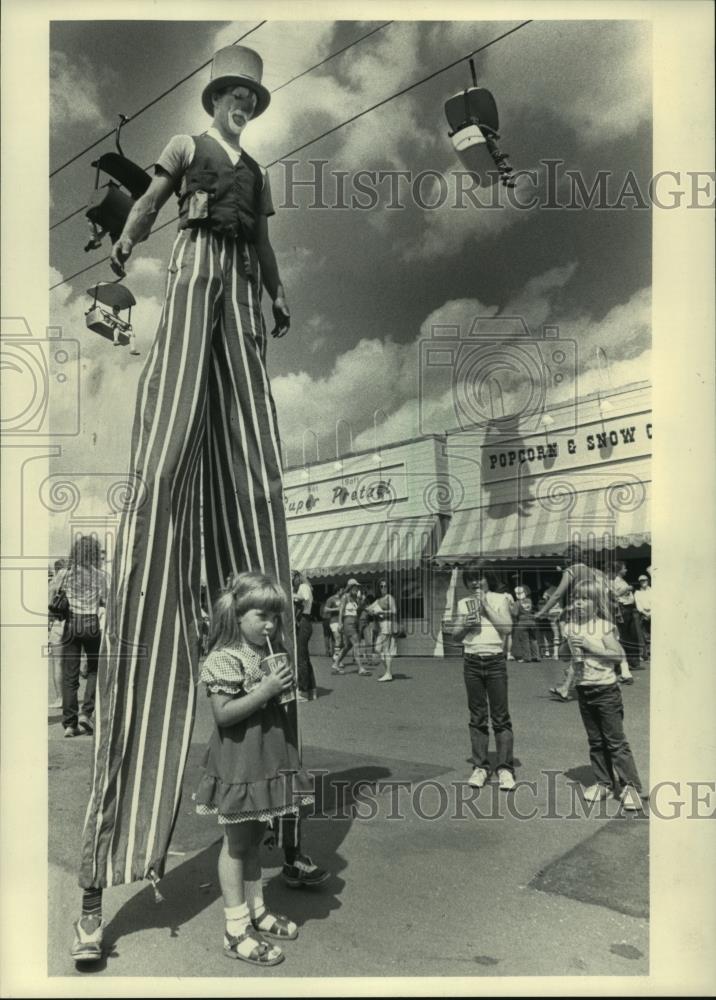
(74, 94)
(108, 378)
(606, 104)
(104, 394)
(388, 391)
(606, 64)
(298, 264)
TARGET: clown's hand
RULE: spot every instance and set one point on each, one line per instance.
(119, 256)
(282, 317)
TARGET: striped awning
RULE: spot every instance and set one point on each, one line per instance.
(616, 519)
(382, 546)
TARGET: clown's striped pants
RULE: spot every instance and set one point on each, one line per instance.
(204, 442)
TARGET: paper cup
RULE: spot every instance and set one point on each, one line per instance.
(271, 665)
(576, 654)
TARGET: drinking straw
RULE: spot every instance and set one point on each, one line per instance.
(268, 643)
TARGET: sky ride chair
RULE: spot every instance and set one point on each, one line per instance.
(109, 299)
(474, 124)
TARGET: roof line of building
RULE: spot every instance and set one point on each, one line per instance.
(377, 449)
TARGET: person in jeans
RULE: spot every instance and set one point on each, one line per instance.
(642, 601)
(595, 652)
(578, 568)
(525, 643)
(302, 604)
(626, 616)
(55, 639)
(85, 584)
(482, 623)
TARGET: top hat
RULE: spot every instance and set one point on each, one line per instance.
(236, 65)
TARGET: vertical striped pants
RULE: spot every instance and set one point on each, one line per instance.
(205, 447)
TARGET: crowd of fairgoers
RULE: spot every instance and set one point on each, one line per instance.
(360, 628)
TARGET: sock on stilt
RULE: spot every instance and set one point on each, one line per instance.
(92, 903)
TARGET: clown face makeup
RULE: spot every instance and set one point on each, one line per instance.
(233, 109)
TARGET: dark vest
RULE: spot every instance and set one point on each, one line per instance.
(231, 195)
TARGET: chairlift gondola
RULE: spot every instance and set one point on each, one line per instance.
(474, 124)
(107, 322)
(109, 205)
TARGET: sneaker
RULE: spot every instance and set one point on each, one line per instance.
(337, 670)
(85, 725)
(595, 793)
(71, 731)
(362, 672)
(301, 697)
(478, 777)
(302, 873)
(506, 779)
(87, 945)
(631, 799)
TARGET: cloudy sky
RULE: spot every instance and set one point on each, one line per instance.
(367, 286)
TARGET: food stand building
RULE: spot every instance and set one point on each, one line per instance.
(511, 493)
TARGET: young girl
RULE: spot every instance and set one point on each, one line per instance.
(251, 772)
(595, 651)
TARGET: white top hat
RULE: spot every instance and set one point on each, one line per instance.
(236, 65)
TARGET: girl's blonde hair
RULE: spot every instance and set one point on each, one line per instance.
(593, 594)
(244, 592)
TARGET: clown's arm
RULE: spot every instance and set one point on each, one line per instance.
(271, 278)
(140, 220)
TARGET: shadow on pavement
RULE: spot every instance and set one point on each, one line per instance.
(192, 886)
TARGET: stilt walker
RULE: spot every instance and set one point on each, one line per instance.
(204, 428)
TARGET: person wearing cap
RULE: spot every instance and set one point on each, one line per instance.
(642, 620)
(205, 453)
(348, 624)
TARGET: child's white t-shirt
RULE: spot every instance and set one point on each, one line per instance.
(591, 669)
(485, 639)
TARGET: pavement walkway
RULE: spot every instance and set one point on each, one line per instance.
(428, 877)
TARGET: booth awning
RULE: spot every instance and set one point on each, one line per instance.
(378, 547)
(604, 520)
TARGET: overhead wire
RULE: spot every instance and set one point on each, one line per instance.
(336, 128)
(56, 225)
(146, 107)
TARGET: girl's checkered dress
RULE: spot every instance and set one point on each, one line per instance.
(251, 769)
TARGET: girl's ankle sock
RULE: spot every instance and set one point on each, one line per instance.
(237, 919)
(254, 892)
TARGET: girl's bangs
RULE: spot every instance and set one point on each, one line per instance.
(264, 597)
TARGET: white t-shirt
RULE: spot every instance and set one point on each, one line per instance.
(622, 591)
(592, 669)
(485, 639)
(304, 594)
(642, 599)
